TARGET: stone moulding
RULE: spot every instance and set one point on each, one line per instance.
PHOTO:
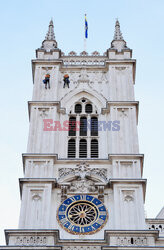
(43, 238)
(36, 180)
(32, 237)
(122, 104)
(156, 224)
(131, 181)
(45, 105)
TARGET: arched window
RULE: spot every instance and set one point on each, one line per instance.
(78, 108)
(94, 148)
(72, 126)
(71, 148)
(83, 126)
(83, 148)
(94, 126)
(82, 114)
(88, 108)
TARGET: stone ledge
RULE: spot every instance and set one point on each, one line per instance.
(132, 248)
(132, 237)
(46, 238)
(155, 224)
(31, 237)
(30, 248)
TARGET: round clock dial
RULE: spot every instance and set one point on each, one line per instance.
(82, 214)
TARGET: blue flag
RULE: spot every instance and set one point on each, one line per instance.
(86, 27)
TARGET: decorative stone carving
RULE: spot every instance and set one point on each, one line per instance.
(82, 179)
(82, 248)
(128, 195)
(31, 240)
(100, 172)
(104, 77)
(65, 171)
(126, 163)
(120, 68)
(123, 112)
(82, 186)
(131, 241)
(36, 197)
(84, 77)
(43, 112)
(154, 226)
(82, 170)
(87, 61)
(83, 53)
(63, 192)
(72, 53)
(95, 53)
(93, 77)
(45, 69)
(101, 193)
(39, 163)
(49, 43)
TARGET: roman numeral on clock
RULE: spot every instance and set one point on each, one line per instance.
(71, 227)
(102, 213)
(61, 212)
(72, 198)
(82, 230)
(100, 221)
(63, 221)
(83, 197)
(100, 205)
(93, 228)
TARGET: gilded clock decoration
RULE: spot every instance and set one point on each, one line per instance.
(82, 214)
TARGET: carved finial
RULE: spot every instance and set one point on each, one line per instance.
(117, 33)
(50, 43)
(118, 42)
(50, 34)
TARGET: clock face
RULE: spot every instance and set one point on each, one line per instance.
(82, 214)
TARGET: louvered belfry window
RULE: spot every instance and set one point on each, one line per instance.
(72, 126)
(83, 148)
(83, 141)
(94, 148)
(71, 148)
(83, 126)
(94, 126)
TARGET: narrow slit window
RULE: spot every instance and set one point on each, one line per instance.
(83, 126)
(94, 126)
(71, 148)
(88, 108)
(94, 148)
(78, 108)
(83, 148)
(72, 126)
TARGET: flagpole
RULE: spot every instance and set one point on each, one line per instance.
(85, 44)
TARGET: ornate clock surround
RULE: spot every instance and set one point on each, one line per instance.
(82, 214)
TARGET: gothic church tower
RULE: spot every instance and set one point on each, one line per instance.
(83, 187)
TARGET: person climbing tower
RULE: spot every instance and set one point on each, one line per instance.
(46, 80)
(66, 80)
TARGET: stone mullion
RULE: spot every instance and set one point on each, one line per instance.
(77, 147)
(88, 137)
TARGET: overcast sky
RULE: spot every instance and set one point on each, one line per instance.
(23, 27)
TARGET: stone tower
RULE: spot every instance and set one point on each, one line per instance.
(83, 187)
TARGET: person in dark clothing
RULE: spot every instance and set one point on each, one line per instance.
(66, 80)
(46, 81)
